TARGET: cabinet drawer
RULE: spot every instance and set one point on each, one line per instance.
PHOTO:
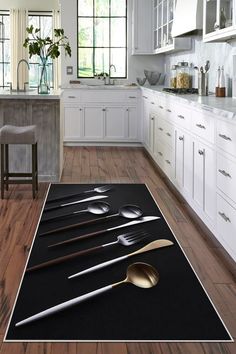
(168, 161)
(165, 132)
(226, 137)
(132, 96)
(182, 116)
(103, 95)
(226, 176)
(203, 125)
(71, 96)
(226, 223)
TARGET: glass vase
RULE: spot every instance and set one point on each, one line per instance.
(44, 84)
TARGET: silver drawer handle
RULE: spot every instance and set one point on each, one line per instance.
(169, 110)
(132, 97)
(200, 126)
(161, 129)
(225, 137)
(224, 173)
(180, 116)
(167, 161)
(160, 107)
(71, 96)
(226, 218)
(168, 134)
(145, 97)
(160, 153)
(181, 138)
(152, 102)
(201, 152)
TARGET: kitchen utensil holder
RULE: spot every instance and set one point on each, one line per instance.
(203, 84)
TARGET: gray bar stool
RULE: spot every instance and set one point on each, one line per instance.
(10, 134)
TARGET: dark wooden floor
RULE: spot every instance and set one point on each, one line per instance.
(19, 216)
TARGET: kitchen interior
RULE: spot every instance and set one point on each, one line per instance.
(158, 107)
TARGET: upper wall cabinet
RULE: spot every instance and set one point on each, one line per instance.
(164, 12)
(142, 27)
(219, 20)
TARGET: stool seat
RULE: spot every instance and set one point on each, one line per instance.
(11, 134)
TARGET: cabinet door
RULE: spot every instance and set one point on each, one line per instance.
(204, 191)
(132, 123)
(93, 123)
(146, 113)
(72, 123)
(142, 27)
(114, 123)
(184, 162)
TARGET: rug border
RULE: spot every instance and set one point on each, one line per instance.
(111, 341)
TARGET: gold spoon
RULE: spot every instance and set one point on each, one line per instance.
(142, 275)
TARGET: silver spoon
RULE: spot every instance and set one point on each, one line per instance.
(97, 208)
(101, 189)
(128, 211)
(142, 275)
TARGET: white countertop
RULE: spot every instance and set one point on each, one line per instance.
(221, 106)
(100, 87)
(32, 94)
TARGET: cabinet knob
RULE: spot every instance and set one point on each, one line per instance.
(168, 134)
(104, 109)
(152, 102)
(160, 153)
(167, 161)
(225, 217)
(201, 152)
(160, 107)
(161, 129)
(181, 138)
(180, 116)
(224, 173)
(80, 109)
(169, 110)
(145, 97)
(225, 137)
(127, 109)
(200, 126)
(152, 118)
(132, 97)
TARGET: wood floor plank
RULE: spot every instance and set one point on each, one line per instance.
(19, 216)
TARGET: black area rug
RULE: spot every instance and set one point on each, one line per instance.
(177, 309)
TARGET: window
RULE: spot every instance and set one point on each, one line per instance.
(4, 49)
(102, 37)
(43, 21)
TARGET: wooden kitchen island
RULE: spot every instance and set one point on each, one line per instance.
(29, 108)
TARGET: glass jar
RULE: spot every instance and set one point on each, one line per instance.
(173, 76)
(183, 76)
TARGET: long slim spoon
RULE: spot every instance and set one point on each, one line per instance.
(140, 274)
(101, 189)
(131, 223)
(127, 211)
(96, 208)
(150, 247)
(96, 197)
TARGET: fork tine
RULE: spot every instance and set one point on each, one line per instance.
(135, 235)
(137, 239)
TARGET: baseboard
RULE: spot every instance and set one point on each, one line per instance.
(98, 143)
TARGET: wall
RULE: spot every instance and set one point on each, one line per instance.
(136, 64)
(34, 5)
(217, 53)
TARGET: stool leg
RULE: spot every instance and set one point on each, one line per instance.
(33, 170)
(2, 171)
(36, 166)
(7, 165)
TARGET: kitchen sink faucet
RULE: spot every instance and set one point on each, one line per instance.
(18, 65)
(109, 77)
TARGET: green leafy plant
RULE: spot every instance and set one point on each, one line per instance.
(46, 47)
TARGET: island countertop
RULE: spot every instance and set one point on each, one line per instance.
(31, 94)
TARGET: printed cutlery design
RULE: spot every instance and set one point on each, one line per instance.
(127, 211)
(92, 234)
(150, 247)
(102, 189)
(142, 275)
(96, 197)
(128, 239)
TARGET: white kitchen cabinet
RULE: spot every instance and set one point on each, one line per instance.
(146, 110)
(204, 181)
(131, 121)
(115, 120)
(184, 163)
(93, 123)
(142, 27)
(163, 21)
(219, 20)
(73, 116)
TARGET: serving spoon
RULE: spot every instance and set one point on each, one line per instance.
(142, 275)
(128, 211)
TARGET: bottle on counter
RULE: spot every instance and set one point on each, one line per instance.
(221, 88)
(217, 81)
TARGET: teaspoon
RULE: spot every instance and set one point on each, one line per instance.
(142, 275)
(127, 211)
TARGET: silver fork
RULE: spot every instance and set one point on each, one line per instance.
(127, 239)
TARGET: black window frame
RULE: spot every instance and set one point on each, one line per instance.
(94, 47)
(4, 13)
(42, 14)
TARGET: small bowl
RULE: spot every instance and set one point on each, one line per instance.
(140, 81)
(152, 76)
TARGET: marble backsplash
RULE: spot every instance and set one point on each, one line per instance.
(217, 53)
